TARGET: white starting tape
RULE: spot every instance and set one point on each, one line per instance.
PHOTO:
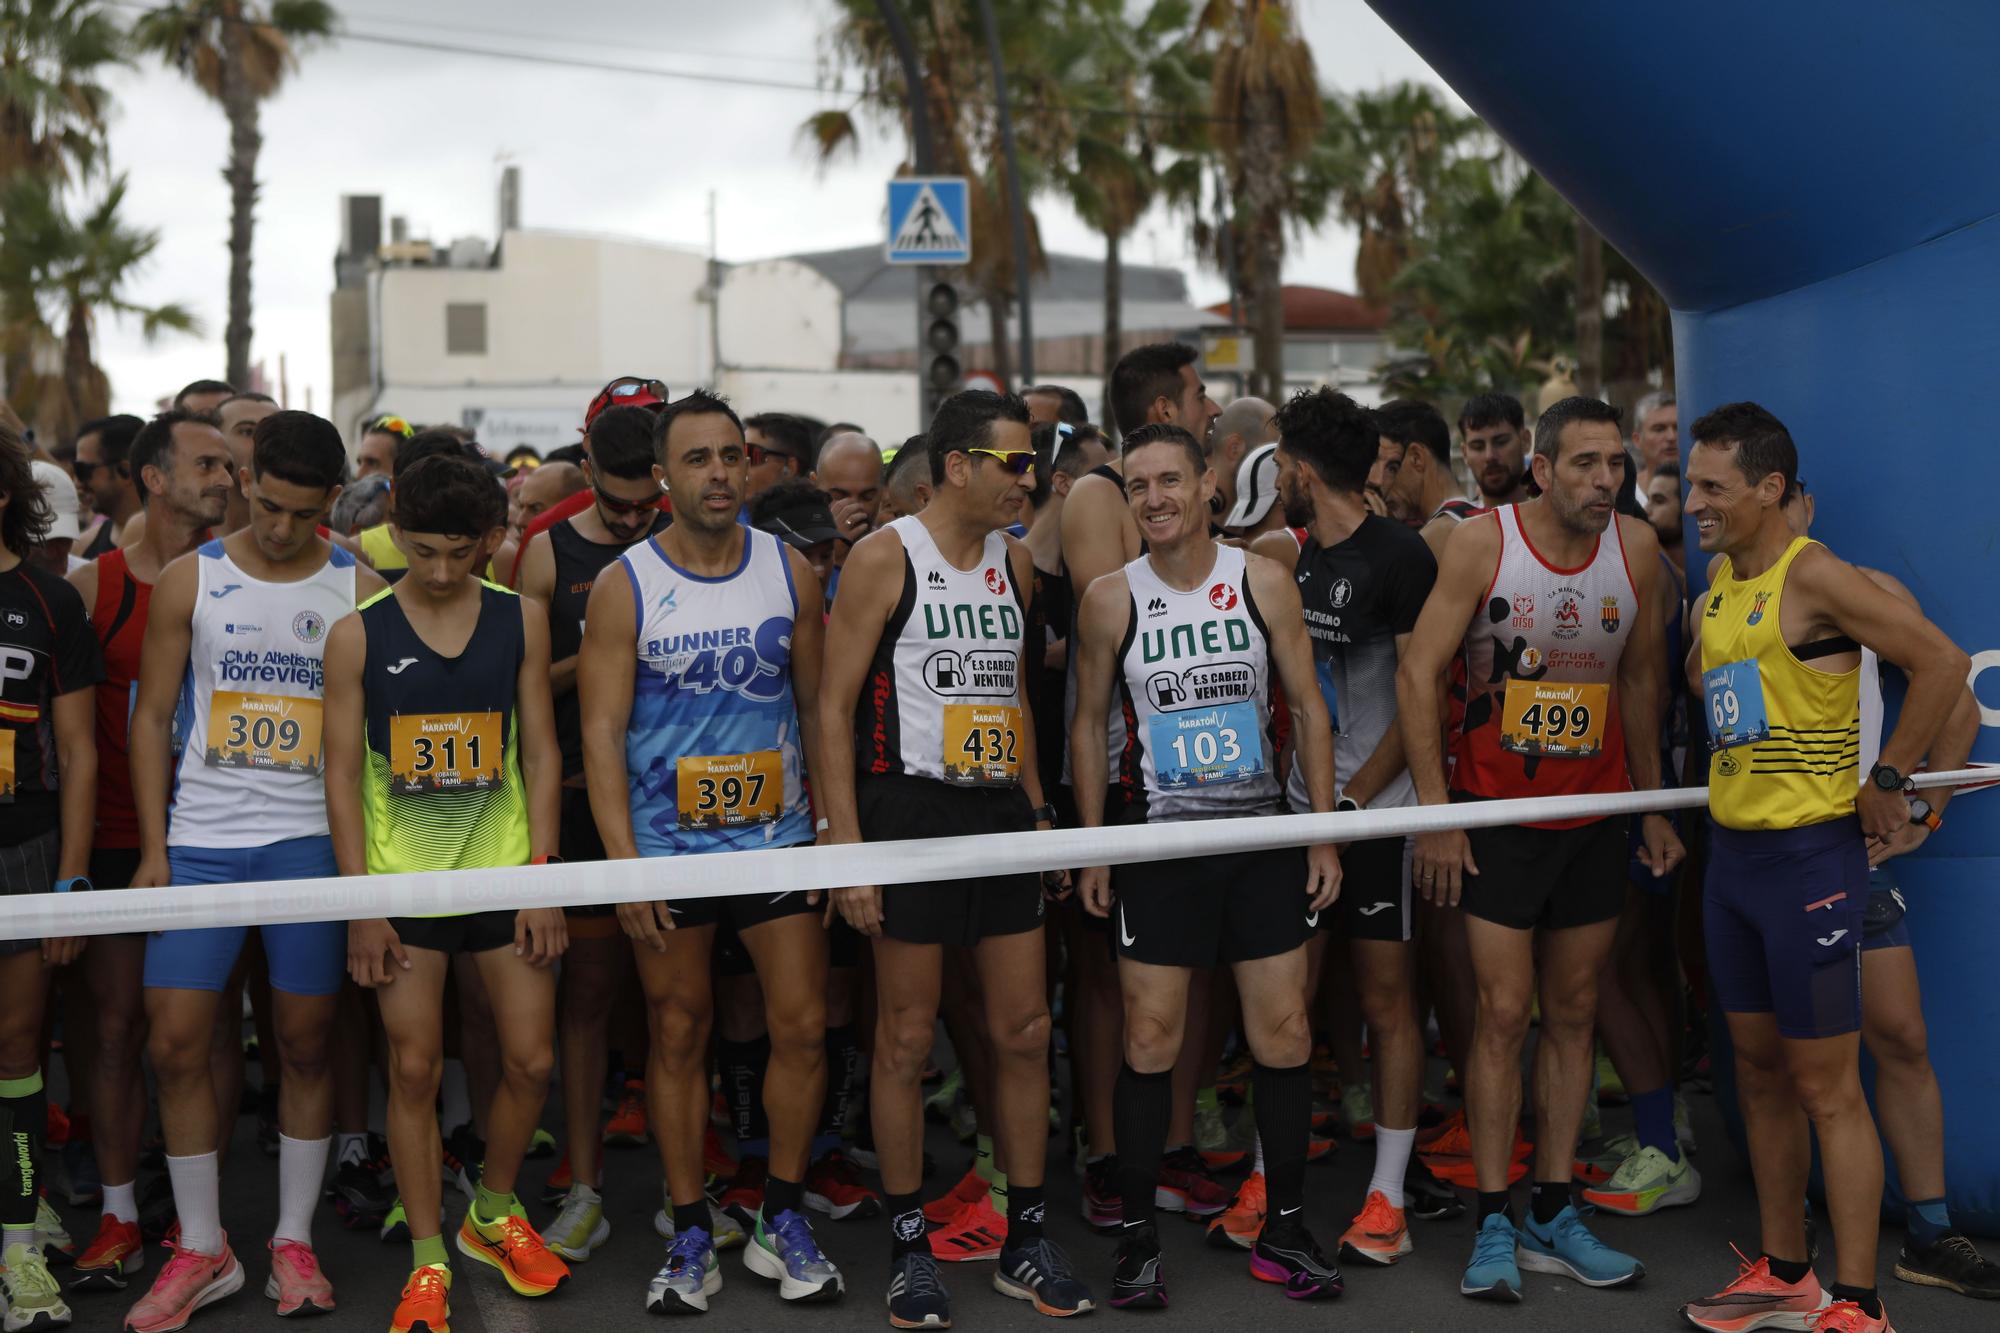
(787, 870)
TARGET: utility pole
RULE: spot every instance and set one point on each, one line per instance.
(928, 275)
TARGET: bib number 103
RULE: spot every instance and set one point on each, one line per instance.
(1205, 747)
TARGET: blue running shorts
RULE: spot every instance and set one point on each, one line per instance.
(307, 958)
(1783, 915)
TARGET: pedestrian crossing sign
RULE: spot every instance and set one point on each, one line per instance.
(929, 221)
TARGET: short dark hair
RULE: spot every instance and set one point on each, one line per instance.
(367, 498)
(246, 396)
(300, 448)
(24, 525)
(202, 386)
(965, 421)
(785, 495)
(1410, 421)
(452, 495)
(1561, 414)
(1072, 410)
(1069, 449)
(1143, 374)
(1332, 434)
(913, 452)
(1161, 432)
(566, 453)
(432, 442)
(154, 445)
(789, 434)
(1490, 409)
(114, 434)
(1667, 470)
(1762, 443)
(702, 403)
(624, 443)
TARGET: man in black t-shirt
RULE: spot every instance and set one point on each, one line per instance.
(49, 667)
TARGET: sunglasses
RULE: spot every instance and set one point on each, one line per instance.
(1018, 462)
(761, 454)
(626, 386)
(390, 425)
(618, 506)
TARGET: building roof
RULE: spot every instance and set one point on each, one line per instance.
(1322, 310)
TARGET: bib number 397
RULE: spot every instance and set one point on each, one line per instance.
(269, 731)
(1554, 720)
(982, 745)
(1734, 695)
(1205, 747)
(729, 790)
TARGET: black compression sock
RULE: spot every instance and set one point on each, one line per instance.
(741, 1064)
(1024, 1213)
(1141, 1107)
(1548, 1198)
(1865, 1297)
(1785, 1270)
(906, 1226)
(782, 1194)
(688, 1215)
(1498, 1201)
(1282, 1102)
(24, 1119)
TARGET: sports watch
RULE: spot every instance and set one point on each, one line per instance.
(1886, 778)
(1043, 814)
(1922, 813)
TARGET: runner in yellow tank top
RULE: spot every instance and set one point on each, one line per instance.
(1780, 633)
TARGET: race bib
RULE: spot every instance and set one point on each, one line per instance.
(269, 731)
(431, 752)
(1552, 719)
(982, 745)
(1734, 693)
(727, 790)
(6, 767)
(1206, 747)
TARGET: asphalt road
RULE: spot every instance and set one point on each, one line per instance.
(1685, 1250)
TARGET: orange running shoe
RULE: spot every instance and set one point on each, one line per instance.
(117, 1252)
(1240, 1225)
(1453, 1123)
(1456, 1143)
(1759, 1299)
(716, 1159)
(1379, 1235)
(969, 1190)
(516, 1249)
(1847, 1317)
(426, 1303)
(976, 1233)
(627, 1126)
(1460, 1172)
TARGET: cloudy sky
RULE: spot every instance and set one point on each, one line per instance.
(383, 111)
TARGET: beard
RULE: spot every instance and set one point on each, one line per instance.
(1509, 483)
(1298, 508)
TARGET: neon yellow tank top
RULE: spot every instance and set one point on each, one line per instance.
(1786, 736)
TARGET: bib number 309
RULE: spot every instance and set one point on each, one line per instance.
(277, 732)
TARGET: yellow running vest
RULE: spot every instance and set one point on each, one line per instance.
(1785, 737)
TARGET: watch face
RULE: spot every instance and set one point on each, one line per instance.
(1888, 779)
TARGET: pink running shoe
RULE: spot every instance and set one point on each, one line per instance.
(296, 1283)
(189, 1281)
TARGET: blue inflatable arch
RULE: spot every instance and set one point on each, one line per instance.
(1814, 185)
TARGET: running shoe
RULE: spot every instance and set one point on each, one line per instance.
(1647, 1181)
(917, 1298)
(834, 1187)
(464, 1151)
(1683, 1124)
(716, 1160)
(1566, 1248)
(1237, 1227)
(723, 1230)
(627, 1126)
(79, 1166)
(1493, 1275)
(1103, 1205)
(395, 1223)
(744, 1198)
(1462, 1174)
(512, 1246)
(580, 1227)
(113, 1255)
(1357, 1110)
(969, 1190)
(1847, 1317)
(1427, 1198)
(939, 1102)
(541, 1143)
(1232, 1081)
(1454, 1143)
(362, 1189)
(1038, 1271)
(556, 1188)
(30, 1297)
(1320, 1146)
(785, 1251)
(689, 1277)
(1221, 1142)
(1138, 1280)
(1379, 1235)
(1951, 1263)
(1186, 1186)
(976, 1233)
(1285, 1253)
(425, 1306)
(51, 1235)
(1430, 1138)
(187, 1281)
(1598, 1158)
(1759, 1299)
(297, 1283)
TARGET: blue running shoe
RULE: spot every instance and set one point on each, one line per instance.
(689, 1277)
(917, 1298)
(1492, 1275)
(1037, 1271)
(1566, 1248)
(783, 1250)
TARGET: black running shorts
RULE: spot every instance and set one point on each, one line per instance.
(1203, 910)
(1552, 878)
(1374, 891)
(894, 808)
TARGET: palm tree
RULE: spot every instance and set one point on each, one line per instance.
(76, 267)
(52, 107)
(238, 53)
(1267, 109)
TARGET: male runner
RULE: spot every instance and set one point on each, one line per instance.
(183, 467)
(700, 676)
(625, 391)
(932, 622)
(105, 469)
(1554, 601)
(441, 755)
(49, 662)
(376, 454)
(1421, 481)
(1240, 428)
(1785, 906)
(239, 417)
(234, 677)
(1493, 440)
(1656, 435)
(906, 481)
(1362, 580)
(1191, 634)
(558, 570)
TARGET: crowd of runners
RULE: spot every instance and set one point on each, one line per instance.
(277, 653)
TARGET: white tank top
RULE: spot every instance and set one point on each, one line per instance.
(1870, 689)
(249, 720)
(1195, 681)
(942, 698)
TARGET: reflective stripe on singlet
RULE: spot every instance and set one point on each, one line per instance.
(119, 617)
(712, 751)
(249, 721)
(1194, 684)
(1543, 644)
(578, 562)
(1788, 748)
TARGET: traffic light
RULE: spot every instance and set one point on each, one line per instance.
(942, 374)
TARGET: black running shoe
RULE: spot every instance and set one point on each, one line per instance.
(1951, 1263)
(1137, 1281)
(1427, 1197)
(1287, 1254)
(917, 1298)
(1038, 1271)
